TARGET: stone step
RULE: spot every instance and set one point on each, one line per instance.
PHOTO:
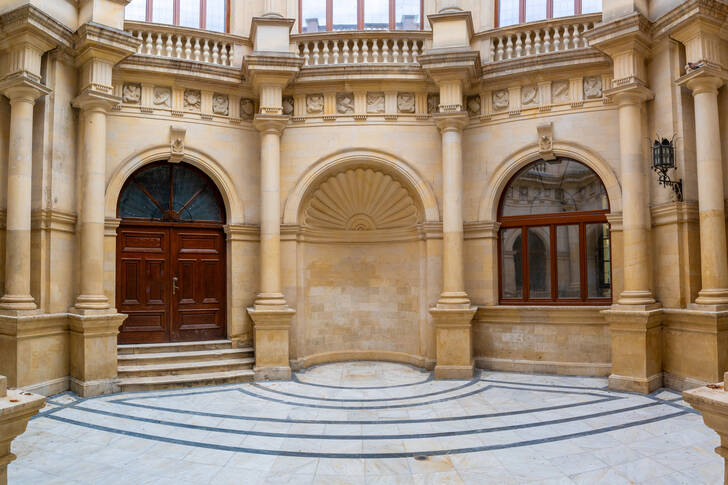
(179, 357)
(173, 347)
(182, 368)
(150, 383)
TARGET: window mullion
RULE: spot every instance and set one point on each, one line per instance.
(203, 13)
(329, 15)
(549, 9)
(150, 9)
(175, 12)
(521, 11)
(360, 14)
(554, 263)
(582, 261)
(577, 7)
(391, 14)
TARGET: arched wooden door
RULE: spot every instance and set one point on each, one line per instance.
(170, 256)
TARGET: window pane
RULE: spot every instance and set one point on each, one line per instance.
(344, 15)
(598, 261)
(539, 263)
(162, 11)
(376, 14)
(507, 12)
(591, 6)
(563, 8)
(407, 14)
(136, 10)
(557, 186)
(313, 15)
(189, 13)
(511, 263)
(215, 15)
(567, 261)
(535, 10)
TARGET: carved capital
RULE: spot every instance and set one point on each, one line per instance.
(91, 100)
(632, 93)
(270, 124)
(20, 87)
(454, 121)
(704, 79)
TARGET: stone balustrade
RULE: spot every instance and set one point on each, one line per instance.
(537, 38)
(184, 44)
(341, 48)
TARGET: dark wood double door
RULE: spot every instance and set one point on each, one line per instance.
(170, 283)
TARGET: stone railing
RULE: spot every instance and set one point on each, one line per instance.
(537, 38)
(361, 48)
(169, 41)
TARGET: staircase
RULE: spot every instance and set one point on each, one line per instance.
(146, 367)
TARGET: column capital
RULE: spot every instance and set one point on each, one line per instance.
(266, 123)
(92, 100)
(631, 93)
(20, 86)
(453, 121)
(704, 79)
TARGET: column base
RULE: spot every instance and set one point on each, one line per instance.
(271, 333)
(91, 302)
(715, 297)
(270, 301)
(453, 342)
(634, 298)
(455, 300)
(463, 372)
(13, 304)
(635, 384)
(94, 388)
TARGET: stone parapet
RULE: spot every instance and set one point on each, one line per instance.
(16, 409)
(712, 402)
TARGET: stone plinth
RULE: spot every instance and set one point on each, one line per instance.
(453, 336)
(16, 409)
(271, 333)
(712, 402)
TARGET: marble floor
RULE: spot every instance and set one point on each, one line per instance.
(371, 423)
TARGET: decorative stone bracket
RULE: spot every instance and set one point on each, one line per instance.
(177, 143)
(546, 141)
(16, 409)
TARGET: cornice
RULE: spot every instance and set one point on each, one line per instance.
(280, 67)
(53, 220)
(463, 63)
(481, 230)
(242, 232)
(94, 40)
(674, 213)
(710, 10)
(31, 18)
(630, 32)
(181, 69)
(572, 60)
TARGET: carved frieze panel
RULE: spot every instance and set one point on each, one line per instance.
(375, 102)
(406, 102)
(529, 95)
(221, 104)
(560, 91)
(192, 99)
(131, 93)
(501, 100)
(433, 103)
(288, 105)
(473, 105)
(592, 87)
(162, 97)
(345, 103)
(315, 104)
(247, 109)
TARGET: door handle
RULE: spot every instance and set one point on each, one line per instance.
(174, 285)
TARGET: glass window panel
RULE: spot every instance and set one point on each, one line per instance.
(407, 14)
(136, 10)
(376, 14)
(189, 13)
(567, 261)
(163, 11)
(133, 202)
(203, 208)
(539, 263)
(344, 15)
(563, 8)
(511, 263)
(598, 261)
(562, 185)
(508, 12)
(591, 6)
(215, 15)
(185, 184)
(313, 15)
(535, 10)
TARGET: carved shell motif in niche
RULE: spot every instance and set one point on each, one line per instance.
(192, 99)
(406, 102)
(529, 95)
(375, 102)
(287, 105)
(592, 87)
(247, 109)
(500, 99)
(433, 103)
(559, 91)
(220, 104)
(473, 105)
(131, 93)
(344, 103)
(360, 200)
(315, 103)
(162, 97)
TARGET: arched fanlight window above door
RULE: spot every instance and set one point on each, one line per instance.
(554, 242)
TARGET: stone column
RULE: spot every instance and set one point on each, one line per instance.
(16, 409)
(270, 313)
(713, 252)
(453, 313)
(17, 296)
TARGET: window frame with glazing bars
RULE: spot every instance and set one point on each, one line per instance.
(176, 13)
(522, 11)
(359, 15)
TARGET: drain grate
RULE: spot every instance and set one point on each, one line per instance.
(421, 457)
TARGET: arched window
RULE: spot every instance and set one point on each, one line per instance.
(197, 14)
(170, 192)
(322, 15)
(554, 238)
(511, 12)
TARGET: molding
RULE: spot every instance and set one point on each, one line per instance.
(96, 41)
(615, 221)
(550, 64)
(53, 220)
(481, 230)
(182, 69)
(111, 224)
(681, 383)
(34, 326)
(674, 213)
(359, 355)
(30, 17)
(600, 369)
(687, 11)
(50, 387)
(242, 232)
(539, 315)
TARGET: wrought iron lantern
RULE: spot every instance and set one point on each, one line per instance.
(663, 159)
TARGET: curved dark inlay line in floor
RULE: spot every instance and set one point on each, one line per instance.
(295, 378)
(304, 454)
(348, 437)
(470, 383)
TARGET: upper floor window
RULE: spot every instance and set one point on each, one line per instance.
(511, 12)
(322, 15)
(198, 14)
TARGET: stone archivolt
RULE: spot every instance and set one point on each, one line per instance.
(360, 200)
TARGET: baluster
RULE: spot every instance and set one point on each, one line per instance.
(584, 40)
(224, 57)
(355, 51)
(139, 37)
(509, 48)
(567, 37)
(188, 48)
(159, 45)
(306, 55)
(395, 51)
(416, 50)
(405, 51)
(148, 45)
(519, 45)
(491, 50)
(547, 40)
(345, 51)
(315, 53)
(178, 47)
(557, 39)
(335, 51)
(576, 38)
(326, 52)
(375, 51)
(529, 44)
(385, 50)
(537, 42)
(364, 51)
(168, 46)
(197, 52)
(206, 51)
(499, 53)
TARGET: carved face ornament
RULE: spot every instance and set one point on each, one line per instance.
(247, 108)
(220, 104)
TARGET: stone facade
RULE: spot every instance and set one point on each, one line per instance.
(362, 184)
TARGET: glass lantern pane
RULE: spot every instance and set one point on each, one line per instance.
(407, 15)
(563, 8)
(376, 14)
(136, 10)
(163, 11)
(189, 13)
(216, 15)
(535, 10)
(313, 16)
(344, 15)
(511, 263)
(508, 12)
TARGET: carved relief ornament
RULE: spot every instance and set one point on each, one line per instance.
(162, 97)
(406, 102)
(501, 99)
(315, 103)
(220, 104)
(131, 93)
(247, 109)
(375, 102)
(345, 103)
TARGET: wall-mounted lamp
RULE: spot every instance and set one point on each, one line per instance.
(663, 159)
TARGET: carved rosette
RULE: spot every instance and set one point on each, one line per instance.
(192, 99)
